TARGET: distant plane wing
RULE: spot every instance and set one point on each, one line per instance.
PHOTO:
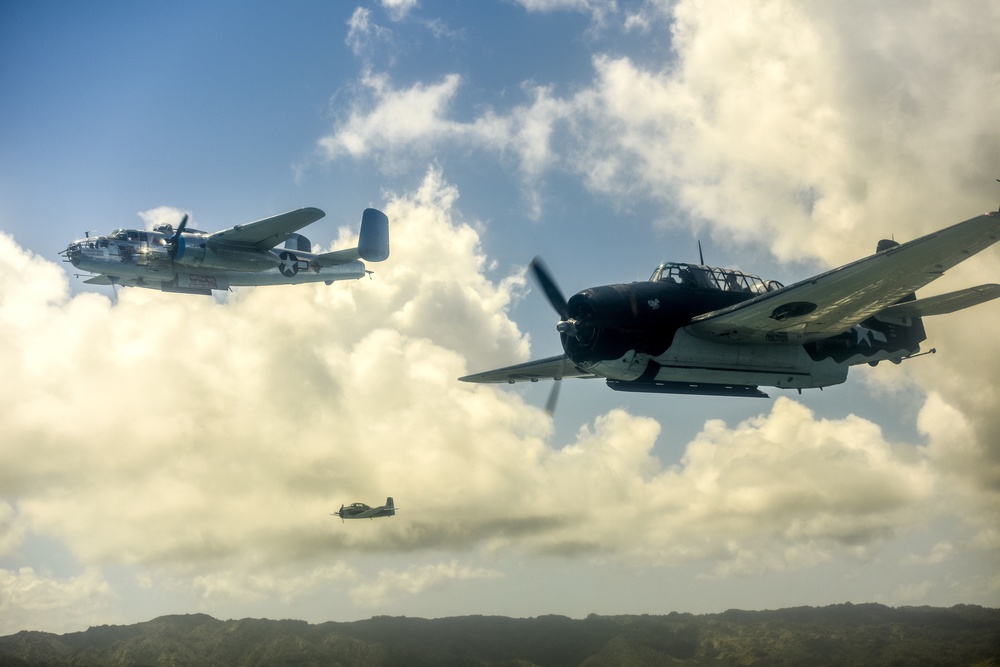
(98, 280)
(269, 232)
(552, 368)
(835, 301)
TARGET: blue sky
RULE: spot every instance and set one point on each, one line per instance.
(173, 454)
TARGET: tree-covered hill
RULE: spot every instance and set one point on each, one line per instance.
(866, 634)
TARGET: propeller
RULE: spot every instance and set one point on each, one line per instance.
(552, 291)
(175, 239)
(550, 402)
(567, 325)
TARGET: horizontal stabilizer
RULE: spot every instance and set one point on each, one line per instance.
(943, 303)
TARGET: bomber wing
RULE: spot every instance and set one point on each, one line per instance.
(551, 368)
(269, 232)
(835, 301)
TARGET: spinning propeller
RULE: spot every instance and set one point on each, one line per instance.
(175, 240)
(566, 326)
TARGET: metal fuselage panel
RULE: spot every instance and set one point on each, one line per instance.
(129, 255)
(692, 359)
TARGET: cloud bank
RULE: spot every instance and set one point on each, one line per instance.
(206, 443)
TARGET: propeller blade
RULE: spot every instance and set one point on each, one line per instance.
(550, 404)
(175, 239)
(552, 291)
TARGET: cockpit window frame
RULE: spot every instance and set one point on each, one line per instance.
(712, 277)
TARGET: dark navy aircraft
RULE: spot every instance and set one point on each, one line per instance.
(194, 262)
(362, 511)
(694, 329)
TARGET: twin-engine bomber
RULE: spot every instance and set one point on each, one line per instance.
(194, 262)
(695, 329)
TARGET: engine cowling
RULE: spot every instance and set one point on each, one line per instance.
(606, 323)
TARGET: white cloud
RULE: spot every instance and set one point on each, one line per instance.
(191, 433)
(11, 530)
(164, 215)
(394, 118)
(599, 10)
(391, 584)
(250, 582)
(33, 600)
(363, 32)
(809, 129)
(939, 553)
(398, 9)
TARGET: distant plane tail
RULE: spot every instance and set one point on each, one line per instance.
(373, 242)
(389, 506)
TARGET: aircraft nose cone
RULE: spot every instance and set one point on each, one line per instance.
(73, 251)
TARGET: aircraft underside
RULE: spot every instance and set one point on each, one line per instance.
(695, 366)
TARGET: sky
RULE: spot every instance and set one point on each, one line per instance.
(168, 453)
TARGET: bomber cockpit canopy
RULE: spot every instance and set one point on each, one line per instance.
(711, 277)
(139, 236)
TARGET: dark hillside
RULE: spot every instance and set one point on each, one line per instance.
(867, 634)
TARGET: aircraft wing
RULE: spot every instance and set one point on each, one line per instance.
(835, 301)
(98, 280)
(269, 232)
(944, 303)
(551, 368)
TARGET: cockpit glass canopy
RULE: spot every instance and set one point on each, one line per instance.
(711, 277)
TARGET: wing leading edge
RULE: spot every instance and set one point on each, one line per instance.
(835, 301)
(550, 368)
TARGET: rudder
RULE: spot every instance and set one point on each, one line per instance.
(373, 242)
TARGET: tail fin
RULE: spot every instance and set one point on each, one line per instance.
(390, 507)
(373, 244)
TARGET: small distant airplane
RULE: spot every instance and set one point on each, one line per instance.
(362, 511)
(194, 262)
(695, 329)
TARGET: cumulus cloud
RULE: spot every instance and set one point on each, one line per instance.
(31, 599)
(284, 583)
(363, 32)
(390, 584)
(808, 129)
(178, 435)
(398, 9)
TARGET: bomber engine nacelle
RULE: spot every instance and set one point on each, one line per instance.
(195, 251)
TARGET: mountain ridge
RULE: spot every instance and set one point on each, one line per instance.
(834, 635)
